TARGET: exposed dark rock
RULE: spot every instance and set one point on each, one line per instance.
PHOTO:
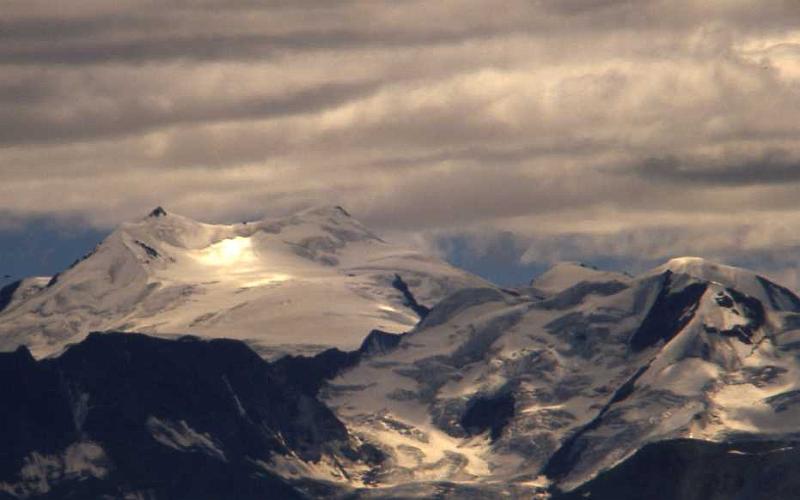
(157, 212)
(342, 210)
(150, 251)
(408, 298)
(752, 310)
(776, 292)
(7, 293)
(791, 322)
(741, 332)
(723, 300)
(671, 311)
(35, 413)
(783, 401)
(310, 373)
(490, 413)
(380, 342)
(699, 470)
(626, 389)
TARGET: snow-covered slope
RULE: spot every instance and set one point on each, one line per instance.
(532, 395)
(300, 283)
(18, 291)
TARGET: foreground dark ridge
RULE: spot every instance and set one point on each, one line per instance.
(123, 414)
(699, 470)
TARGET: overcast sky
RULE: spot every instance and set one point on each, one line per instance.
(503, 134)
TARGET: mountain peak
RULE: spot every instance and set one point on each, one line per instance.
(157, 212)
(341, 210)
(171, 274)
(327, 211)
(689, 261)
(566, 274)
(742, 280)
(705, 269)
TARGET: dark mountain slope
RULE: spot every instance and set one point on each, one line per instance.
(127, 414)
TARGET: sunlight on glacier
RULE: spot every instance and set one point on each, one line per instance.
(228, 252)
(238, 261)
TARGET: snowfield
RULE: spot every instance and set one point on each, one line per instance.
(578, 377)
(303, 283)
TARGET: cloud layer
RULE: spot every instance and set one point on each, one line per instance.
(605, 130)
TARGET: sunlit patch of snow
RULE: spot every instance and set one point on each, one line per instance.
(85, 458)
(236, 251)
(179, 436)
(270, 279)
(236, 260)
(41, 472)
(326, 469)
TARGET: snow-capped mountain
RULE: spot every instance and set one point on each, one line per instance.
(682, 382)
(301, 283)
(568, 390)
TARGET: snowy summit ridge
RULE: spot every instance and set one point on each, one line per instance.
(315, 279)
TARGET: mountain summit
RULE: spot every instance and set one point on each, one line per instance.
(312, 280)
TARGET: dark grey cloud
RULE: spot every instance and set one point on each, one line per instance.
(538, 130)
(774, 167)
(83, 41)
(54, 29)
(28, 125)
(199, 47)
(138, 32)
